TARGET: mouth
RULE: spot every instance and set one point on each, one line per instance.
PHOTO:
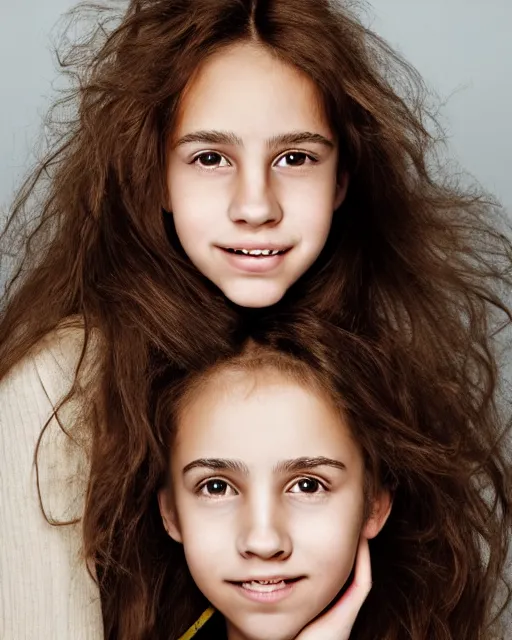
(266, 585)
(263, 252)
(254, 260)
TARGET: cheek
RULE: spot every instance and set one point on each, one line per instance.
(206, 553)
(198, 217)
(190, 200)
(332, 540)
(311, 209)
(195, 223)
(189, 228)
(314, 225)
(205, 541)
(336, 550)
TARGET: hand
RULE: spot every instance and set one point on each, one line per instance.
(337, 623)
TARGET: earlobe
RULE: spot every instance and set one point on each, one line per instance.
(341, 189)
(168, 513)
(381, 508)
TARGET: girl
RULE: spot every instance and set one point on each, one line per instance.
(218, 157)
(276, 465)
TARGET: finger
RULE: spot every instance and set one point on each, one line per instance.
(337, 623)
(358, 591)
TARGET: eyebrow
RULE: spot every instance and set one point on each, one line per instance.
(230, 138)
(237, 466)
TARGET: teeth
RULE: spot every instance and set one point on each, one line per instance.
(264, 585)
(257, 252)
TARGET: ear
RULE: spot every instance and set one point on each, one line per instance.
(169, 515)
(341, 189)
(380, 510)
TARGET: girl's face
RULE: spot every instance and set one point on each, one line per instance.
(266, 496)
(252, 167)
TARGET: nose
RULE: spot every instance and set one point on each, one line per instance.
(254, 202)
(263, 532)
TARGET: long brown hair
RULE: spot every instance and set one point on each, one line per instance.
(414, 261)
(438, 562)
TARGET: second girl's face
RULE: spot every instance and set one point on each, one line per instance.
(252, 169)
(267, 498)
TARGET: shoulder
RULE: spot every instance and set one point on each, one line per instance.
(34, 418)
(58, 357)
(47, 592)
(61, 361)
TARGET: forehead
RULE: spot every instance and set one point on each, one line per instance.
(261, 417)
(244, 88)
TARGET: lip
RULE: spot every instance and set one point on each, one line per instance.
(268, 579)
(252, 245)
(254, 264)
(267, 597)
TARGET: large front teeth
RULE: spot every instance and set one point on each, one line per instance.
(259, 252)
(264, 586)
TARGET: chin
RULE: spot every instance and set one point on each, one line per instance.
(269, 631)
(253, 295)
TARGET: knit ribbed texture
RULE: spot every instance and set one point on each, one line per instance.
(46, 592)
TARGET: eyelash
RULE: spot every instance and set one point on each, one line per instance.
(320, 485)
(308, 156)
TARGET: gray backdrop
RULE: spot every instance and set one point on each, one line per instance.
(462, 47)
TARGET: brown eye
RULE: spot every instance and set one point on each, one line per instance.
(210, 160)
(216, 487)
(307, 485)
(296, 159)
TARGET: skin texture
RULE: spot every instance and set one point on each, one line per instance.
(263, 519)
(251, 191)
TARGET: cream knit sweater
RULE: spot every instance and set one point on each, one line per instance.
(46, 592)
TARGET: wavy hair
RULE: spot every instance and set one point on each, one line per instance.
(415, 262)
(438, 562)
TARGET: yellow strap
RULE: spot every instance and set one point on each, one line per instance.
(203, 619)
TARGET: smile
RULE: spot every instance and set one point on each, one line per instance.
(263, 253)
(256, 252)
(265, 586)
(269, 591)
(255, 260)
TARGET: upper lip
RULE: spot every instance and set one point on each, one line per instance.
(267, 578)
(256, 245)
